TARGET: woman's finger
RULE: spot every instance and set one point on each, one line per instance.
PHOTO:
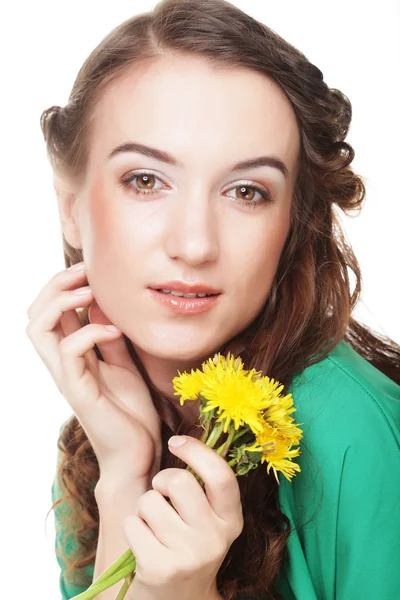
(220, 481)
(45, 332)
(115, 352)
(64, 323)
(72, 351)
(64, 280)
(69, 322)
(162, 518)
(185, 493)
(147, 549)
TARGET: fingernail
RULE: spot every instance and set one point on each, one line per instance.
(111, 328)
(78, 267)
(176, 440)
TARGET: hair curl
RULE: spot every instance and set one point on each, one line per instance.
(313, 271)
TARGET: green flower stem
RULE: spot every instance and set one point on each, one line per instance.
(223, 449)
(201, 482)
(124, 589)
(210, 441)
(206, 432)
(215, 433)
(96, 588)
(241, 432)
(127, 558)
(120, 562)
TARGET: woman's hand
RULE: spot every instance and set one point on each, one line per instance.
(109, 398)
(180, 550)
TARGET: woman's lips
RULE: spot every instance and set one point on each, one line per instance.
(184, 306)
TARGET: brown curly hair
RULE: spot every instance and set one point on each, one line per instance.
(313, 272)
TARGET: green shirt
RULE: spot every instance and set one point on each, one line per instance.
(345, 502)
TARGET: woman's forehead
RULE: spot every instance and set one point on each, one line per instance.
(184, 103)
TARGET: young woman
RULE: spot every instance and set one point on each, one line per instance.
(199, 152)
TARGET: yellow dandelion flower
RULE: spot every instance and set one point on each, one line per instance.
(270, 386)
(276, 451)
(229, 388)
(279, 461)
(187, 385)
(278, 411)
(219, 363)
(245, 399)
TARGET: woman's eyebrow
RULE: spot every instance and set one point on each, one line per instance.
(161, 155)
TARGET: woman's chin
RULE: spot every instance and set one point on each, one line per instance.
(179, 351)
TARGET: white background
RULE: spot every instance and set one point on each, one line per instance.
(355, 44)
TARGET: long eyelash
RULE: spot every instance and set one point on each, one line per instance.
(265, 194)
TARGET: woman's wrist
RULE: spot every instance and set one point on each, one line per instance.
(112, 486)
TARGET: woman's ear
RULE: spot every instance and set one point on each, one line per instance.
(68, 212)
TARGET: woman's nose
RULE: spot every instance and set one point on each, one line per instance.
(193, 230)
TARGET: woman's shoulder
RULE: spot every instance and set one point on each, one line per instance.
(349, 413)
(344, 397)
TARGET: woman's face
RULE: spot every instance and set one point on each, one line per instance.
(203, 223)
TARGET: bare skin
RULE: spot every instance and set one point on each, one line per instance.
(194, 227)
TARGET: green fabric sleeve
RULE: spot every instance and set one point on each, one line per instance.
(67, 590)
(368, 532)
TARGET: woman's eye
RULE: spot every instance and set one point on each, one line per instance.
(144, 183)
(247, 194)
